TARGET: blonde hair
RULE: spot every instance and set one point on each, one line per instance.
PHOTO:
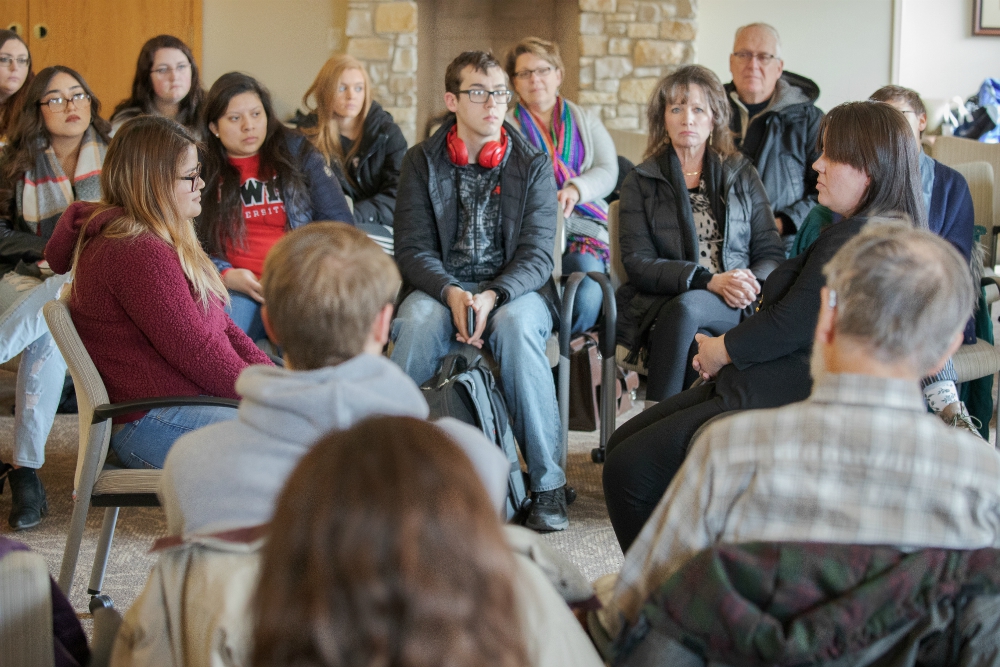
(536, 46)
(139, 176)
(326, 135)
(324, 285)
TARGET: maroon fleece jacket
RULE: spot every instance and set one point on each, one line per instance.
(138, 317)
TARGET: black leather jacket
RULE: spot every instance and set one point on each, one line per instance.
(426, 219)
(659, 242)
(784, 149)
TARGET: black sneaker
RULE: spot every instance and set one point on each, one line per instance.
(28, 502)
(548, 511)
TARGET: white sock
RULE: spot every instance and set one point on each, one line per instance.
(941, 394)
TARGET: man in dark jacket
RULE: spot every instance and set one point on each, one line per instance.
(475, 226)
(775, 123)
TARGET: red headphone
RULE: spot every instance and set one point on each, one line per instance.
(491, 155)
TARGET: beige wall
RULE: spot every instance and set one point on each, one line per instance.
(842, 45)
(283, 43)
(939, 57)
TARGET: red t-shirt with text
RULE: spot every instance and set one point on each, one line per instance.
(263, 216)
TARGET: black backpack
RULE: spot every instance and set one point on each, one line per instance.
(464, 389)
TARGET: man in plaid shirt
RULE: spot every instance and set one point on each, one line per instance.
(861, 461)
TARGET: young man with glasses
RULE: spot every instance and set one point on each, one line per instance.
(475, 225)
(775, 123)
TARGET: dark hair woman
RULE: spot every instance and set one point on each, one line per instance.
(400, 560)
(262, 180)
(696, 231)
(15, 76)
(146, 299)
(54, 158)
(358, 138)
(868, 168)
(166, 84)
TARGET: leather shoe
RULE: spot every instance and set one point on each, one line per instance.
(28, 502)
(548, 511)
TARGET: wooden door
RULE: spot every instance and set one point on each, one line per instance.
(14, 16)
(101, 39)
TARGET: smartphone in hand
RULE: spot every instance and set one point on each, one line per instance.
(470, 320)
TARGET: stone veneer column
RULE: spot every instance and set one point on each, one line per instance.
(626, 46)
(383, 35)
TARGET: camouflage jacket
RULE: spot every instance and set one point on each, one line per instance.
(810, 603)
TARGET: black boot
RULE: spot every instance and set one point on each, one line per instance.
(28, 503)
(548, 511)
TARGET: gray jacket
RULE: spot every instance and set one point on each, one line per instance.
(781, 143)
(599, 171)
(228, 475)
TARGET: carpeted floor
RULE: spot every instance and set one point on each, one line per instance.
(589, 541)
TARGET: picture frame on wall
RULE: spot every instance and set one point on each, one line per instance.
(986, 17)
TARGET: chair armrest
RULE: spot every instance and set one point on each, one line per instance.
(110, 410)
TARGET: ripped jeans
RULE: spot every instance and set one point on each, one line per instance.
(42, 371)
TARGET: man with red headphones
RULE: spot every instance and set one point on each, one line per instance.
(474, 230)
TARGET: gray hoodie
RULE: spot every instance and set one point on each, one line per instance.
(228, 475)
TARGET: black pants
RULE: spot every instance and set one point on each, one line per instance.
(671, 342)
(645, 454)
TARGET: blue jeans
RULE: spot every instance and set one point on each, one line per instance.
(145, 442)
(42, 371)
(587, 305)
(245, 313)
(516, 333)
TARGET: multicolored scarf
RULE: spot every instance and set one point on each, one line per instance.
(46, 191)
(565, 146)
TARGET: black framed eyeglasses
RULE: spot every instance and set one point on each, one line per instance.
(479, 96)
(192, 177)
(59, 104)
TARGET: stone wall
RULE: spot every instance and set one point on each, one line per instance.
(383, 35)
(626, 46)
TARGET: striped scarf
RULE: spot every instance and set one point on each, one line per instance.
(565, 146)
(46, 191)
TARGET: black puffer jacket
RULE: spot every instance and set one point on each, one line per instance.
(659, 242)
(781, 143)
(427, 219)
(374, 169)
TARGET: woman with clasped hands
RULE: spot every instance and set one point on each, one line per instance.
(697, 233)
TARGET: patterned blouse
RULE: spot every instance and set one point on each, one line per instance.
(709, 234)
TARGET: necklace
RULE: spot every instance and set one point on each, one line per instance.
(692, 173)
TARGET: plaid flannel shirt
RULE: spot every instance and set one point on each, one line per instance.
(859, 462)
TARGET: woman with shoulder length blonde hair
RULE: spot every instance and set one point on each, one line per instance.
(584, 161)
(146, 300)
(359, 139)
(697, 234)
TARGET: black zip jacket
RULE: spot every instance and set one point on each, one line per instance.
(426, 220)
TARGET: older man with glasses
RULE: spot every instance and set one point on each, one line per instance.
(775, 123)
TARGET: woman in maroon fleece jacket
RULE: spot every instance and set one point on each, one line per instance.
(146, 300)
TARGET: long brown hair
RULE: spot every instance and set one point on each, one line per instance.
(220, 222)
(873, 137)
(13, 105)
(326, 135)
(144, 98)
(674, 88)
(386, 550)
(30, 137)
(139, 176)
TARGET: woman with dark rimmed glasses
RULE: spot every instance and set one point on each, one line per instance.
(146, 300)
(54, 158)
